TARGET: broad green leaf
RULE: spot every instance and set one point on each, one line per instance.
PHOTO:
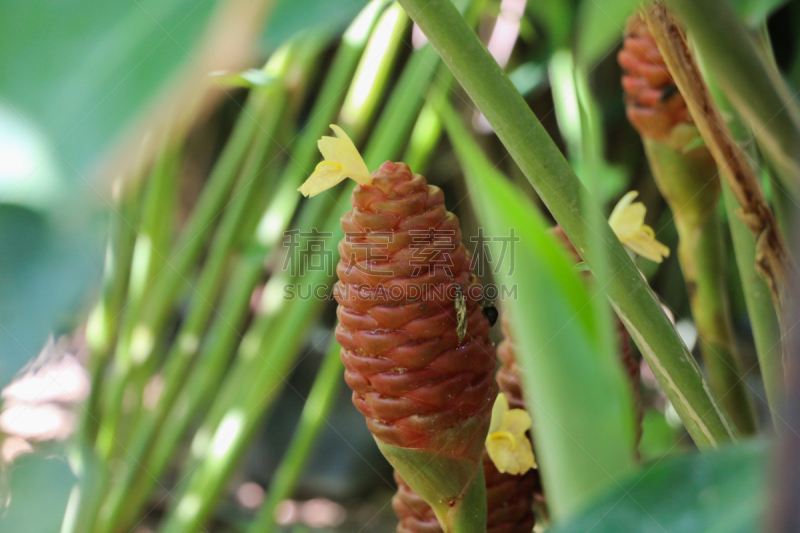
(600, 25)
(39, 489)
(718, 492)
(569, 380)
(45, 267)
(78, 72)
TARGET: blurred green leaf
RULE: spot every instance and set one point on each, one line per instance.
(45, 269)
(77, 72)
(754, 12)
(557, 19)
(39, 491)
(600, 25)
(293, 16)
(713, 492)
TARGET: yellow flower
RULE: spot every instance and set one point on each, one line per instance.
(627, 221)
(507, 444)
(342, 160)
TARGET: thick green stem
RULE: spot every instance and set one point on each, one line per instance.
(760, 307)
(757, 91)
(318, 404)
(545, 167)
(690, 185)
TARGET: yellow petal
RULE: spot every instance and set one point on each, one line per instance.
(629, 220)
(342, 160)
(645, 244)
(509, 453)
(516, 421)
(624, 202)
(326, 175)
(499, 409)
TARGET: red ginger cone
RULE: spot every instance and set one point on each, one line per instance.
(509, 497)
(426, 394)
(654, 104)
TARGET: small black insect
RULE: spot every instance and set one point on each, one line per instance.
(489, 311)
(668, 92)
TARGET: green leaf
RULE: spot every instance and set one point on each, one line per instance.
(719, 492)
(77, 72)
(600, 25)
(46, 266)
(39, 491)
(569, 378)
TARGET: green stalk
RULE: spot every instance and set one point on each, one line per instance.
(545, 167)
(760, 307)
(424, 139)
(148, 259)
(101, 334)
(104, 322)
(318, 405)
(689, 184)
(205, 292)
(141, 327)
(271, 359)
(285, 201)
(757, 92)
(248, 198)
(376, 63)
(758, 299)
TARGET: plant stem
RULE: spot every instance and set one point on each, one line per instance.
(319, 403)
(373, 70)
(266, 366)
(545, 167)
(757, 91)
(690, 186)
(774, 261)
(424, 139)
(143, 324)
(760, 306)
(127, 495)
(153, 236)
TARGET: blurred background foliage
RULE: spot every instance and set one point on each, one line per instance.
(77, 77)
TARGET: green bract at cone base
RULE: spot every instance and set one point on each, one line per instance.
(453, 487)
